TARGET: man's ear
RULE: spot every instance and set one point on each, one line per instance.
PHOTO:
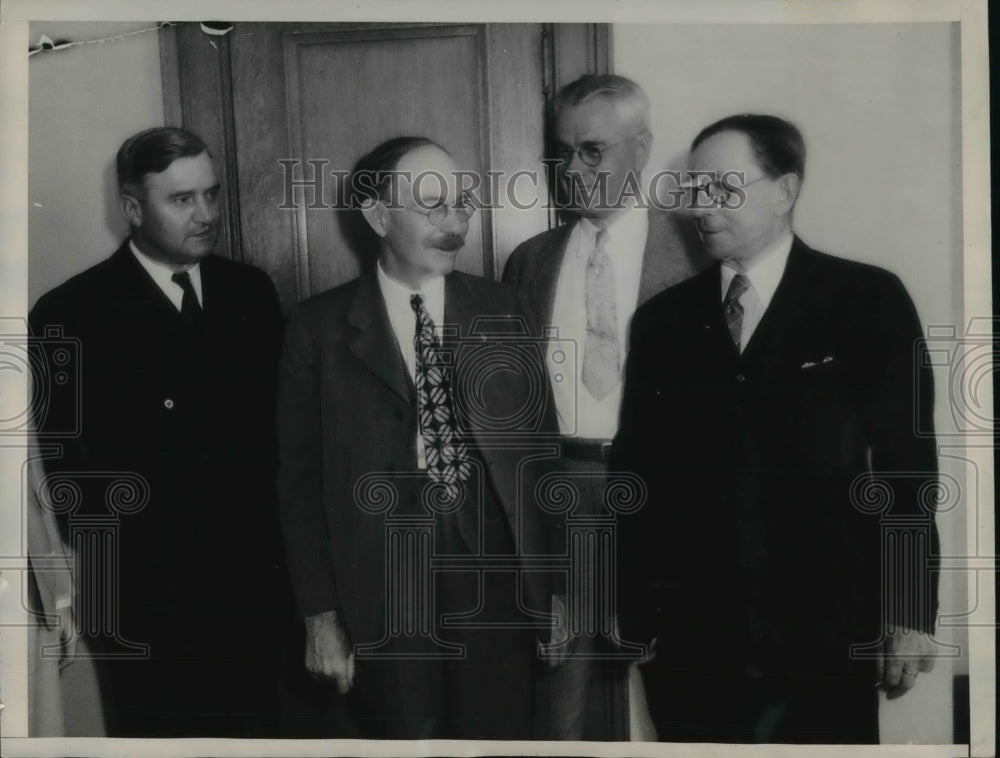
(788, 193)
(375, 213)
(132, 208)
(643, 147)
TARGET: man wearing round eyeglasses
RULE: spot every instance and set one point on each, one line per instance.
(384, 437)
(586, 278)
(782, 564)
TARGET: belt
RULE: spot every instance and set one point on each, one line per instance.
(589, 450)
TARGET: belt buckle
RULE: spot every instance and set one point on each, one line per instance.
(605, 452)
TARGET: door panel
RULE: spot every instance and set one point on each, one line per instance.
(268, 93)
(349, 91)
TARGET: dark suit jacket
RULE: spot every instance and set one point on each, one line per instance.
(346, 410)
(673, 253)
(191, 415)
(759, 543)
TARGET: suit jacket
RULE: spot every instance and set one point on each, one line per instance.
(773, 476)
(673, 253)
(188, 415)
(347, 411)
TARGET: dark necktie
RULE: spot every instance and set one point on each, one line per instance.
(445, 453)
(733, 310)
(190, 308)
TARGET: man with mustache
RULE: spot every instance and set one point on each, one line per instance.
(177, 360)
(782, 561)
(384, 421)
(586, 278)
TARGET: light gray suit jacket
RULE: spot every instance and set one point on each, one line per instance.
(672, 254)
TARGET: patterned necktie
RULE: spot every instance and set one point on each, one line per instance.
(446, 455)
(190, 309)
(733, 310)
(601, 367)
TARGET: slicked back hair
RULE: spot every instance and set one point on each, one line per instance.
(152, 151)
(777, 144)
(624, 92)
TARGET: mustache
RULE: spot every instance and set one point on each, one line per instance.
(450, 241)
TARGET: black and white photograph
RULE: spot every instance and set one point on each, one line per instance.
(599, 378)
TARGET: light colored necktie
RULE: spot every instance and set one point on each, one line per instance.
(447, 457)
(733, 310)
(601, 367)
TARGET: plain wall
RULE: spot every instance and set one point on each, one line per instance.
(83, 102)
(879, 107)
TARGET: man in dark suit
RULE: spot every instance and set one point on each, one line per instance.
(177, 363)
(387, 425)
(780, 563)
(586, 278)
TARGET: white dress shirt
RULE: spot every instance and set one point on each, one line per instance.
(580, 413)
(403, 320)
(161, 275)
(764, 274)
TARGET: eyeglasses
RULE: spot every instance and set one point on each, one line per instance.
(463, 210)
(721, 191)
(591, 153)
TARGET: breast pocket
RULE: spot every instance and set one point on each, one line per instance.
(825, 424)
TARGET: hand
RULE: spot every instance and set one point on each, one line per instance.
(560, 646)
(328, 651)
(67, 636)
(906, 653)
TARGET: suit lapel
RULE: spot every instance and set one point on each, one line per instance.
(784, 312)
(542, 287)
(461, 308)
(136, 293)
(375, 346)
(669, 257)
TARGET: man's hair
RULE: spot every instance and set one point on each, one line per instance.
(372, 174)
(152, 151)
(777, 144)
(624, 92)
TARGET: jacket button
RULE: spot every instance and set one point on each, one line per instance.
(168, 404)
(740, 378)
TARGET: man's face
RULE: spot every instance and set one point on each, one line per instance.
(595, 191)
(177, 222)
(416, 250)
(730, 232)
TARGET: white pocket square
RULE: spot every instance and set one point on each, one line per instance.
(812, 364)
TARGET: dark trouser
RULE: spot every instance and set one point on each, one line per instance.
(488, 692)
(197, 696)
(584, 698)
(739, 708)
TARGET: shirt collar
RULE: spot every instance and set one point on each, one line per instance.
(162, 273)
(766, 271)
(397, 291)
(630, 224)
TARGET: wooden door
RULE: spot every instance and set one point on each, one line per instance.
(292, 103)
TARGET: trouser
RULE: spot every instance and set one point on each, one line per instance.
(585, 698)
(487, 691)
(737, 707)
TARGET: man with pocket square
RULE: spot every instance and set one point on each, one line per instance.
(770, 405)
